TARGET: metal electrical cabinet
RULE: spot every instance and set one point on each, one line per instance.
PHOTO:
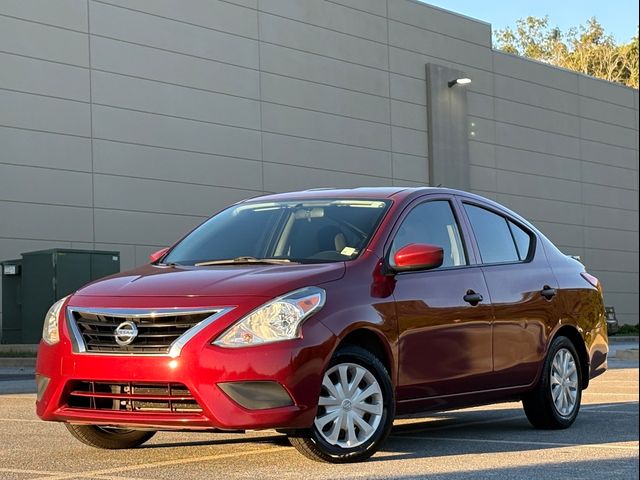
(48, 275)
(11, 301)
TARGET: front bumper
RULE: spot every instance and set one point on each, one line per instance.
(295, 365)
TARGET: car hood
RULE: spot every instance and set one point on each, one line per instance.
(213, 281)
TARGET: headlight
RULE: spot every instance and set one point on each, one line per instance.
(280, 319)
(50, 331)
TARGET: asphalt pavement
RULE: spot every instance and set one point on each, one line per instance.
(480, 443)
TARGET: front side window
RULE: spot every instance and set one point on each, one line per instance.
(493, 235)
(432, 223)
(304, 231)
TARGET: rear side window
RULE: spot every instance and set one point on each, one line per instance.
(432, 223)
(522, 239)
(493, 235)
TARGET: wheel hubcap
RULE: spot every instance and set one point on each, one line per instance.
(350, 405)
(564, 382)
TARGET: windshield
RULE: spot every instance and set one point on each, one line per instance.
(305, 231)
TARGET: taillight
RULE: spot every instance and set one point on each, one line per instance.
(591, 279)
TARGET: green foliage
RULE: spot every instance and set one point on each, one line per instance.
(587, 49)
(631, 330)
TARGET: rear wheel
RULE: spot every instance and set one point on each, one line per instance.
(555, 402)
(111, 438)
(355, 409)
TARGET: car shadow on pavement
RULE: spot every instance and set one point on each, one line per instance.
(272, 439)
(507, 430)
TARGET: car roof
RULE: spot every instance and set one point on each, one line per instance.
(357, 192)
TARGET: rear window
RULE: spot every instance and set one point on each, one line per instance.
(493, 235)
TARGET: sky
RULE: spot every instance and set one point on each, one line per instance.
(618, 17)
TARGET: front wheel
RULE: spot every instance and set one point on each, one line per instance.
(555, 402)
(111, 438)
(355, 409)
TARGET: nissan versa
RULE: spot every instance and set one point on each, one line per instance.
(324, 314)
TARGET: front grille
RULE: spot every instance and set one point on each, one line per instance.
(132, 397)
(155, 332)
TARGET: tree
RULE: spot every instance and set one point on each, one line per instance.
(587, 48)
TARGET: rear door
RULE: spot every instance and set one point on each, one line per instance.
(523, 292)
(444, 340)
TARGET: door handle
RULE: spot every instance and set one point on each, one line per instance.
(548, 292)
(472, 297)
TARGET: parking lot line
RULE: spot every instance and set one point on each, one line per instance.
(164, 463)
(610, 446)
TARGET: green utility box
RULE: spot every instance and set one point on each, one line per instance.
(11, 301)
(47, 276)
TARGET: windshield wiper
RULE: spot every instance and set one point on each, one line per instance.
(245, 260)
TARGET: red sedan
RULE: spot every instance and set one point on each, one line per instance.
(325, 314)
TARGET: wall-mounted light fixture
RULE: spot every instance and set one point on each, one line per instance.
(459, 81)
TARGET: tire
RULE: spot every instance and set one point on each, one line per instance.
(109, 437)
(559, 380)
(354, 441)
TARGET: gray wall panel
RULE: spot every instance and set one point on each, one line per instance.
(608, 112)
(323, 126)
(377, 7)
(125, 193)
(536, 163)
(535, 72)
(606, 91)
(610, 134)
(281, 178)
(411, 167)
(154, 64)
(25, 147)
(35, 76)
(142, 228)
(309, 38)
(46, 222)
(408, 115)
(49, 114)
(537, 141)
(412, 142)
(71, 14)
(55, 44)
(43, 185)
(162, 33)
(411, 64)
(441, 21)
(440, 46)
(323, 70)
(538, 118)
(323, 98)
(537, 95)
(157, 130)
(313, 153)
(213, 14)
(331, 16)
(162, 164)
(482, 154)
(149, 96)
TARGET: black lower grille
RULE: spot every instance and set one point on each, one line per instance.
(153, 334)
(132, 397)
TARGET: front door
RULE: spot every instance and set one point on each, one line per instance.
(444, 314)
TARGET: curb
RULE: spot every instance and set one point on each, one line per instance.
(627, 354)
(17, 362)
(622, 339)
(19, 348)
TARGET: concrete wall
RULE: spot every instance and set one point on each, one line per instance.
(123, 123)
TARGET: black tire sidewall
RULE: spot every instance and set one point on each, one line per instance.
(362, 357)
(558, 344)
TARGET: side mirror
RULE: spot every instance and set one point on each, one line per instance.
(418, 256)
(155, 256)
